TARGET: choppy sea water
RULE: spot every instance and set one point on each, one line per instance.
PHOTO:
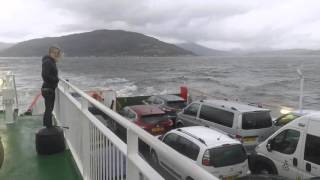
(267, 80)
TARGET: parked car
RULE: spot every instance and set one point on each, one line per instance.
(250, 124)
(262, 177)
(172, 104)
(216, 152)
(150, 118)
(293, 151)
(288, 117)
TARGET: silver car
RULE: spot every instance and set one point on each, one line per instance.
(250, 124)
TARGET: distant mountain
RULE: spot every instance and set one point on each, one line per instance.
(285, 52)
(98, 43)
(202, 50)
(5, 45)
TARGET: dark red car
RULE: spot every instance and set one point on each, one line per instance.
(150, 118)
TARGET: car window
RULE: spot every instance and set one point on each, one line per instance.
(131, 115)
(256, 120)
(312, 149)
(154, 118)
(150, 100)
(158, 101)
(188, 148)
(128, 114)
(227, 155)
(285, 119)
(286, 142)
(177, 104)
(215, 115)
(171, 140)
(192, 110)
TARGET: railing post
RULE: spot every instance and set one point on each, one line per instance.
(132, 149)
(85, 141)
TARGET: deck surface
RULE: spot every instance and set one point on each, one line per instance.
(21, 160)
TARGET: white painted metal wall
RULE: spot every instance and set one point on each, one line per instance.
(99, 153)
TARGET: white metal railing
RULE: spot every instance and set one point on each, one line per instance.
(100, 154)
(8, 96)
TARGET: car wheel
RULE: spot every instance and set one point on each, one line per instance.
(189, 178)
(263, 168)
(154, 159)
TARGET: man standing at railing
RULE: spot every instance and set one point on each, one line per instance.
(50, 82)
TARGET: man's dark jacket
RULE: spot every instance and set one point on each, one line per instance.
(49, 73)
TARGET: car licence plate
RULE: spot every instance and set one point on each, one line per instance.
(249, 139)
(157, 129)
(230, 178)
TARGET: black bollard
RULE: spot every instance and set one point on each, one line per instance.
(50, 141)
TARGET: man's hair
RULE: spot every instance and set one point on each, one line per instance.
(54, 48)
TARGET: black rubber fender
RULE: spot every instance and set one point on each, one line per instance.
(50, 141)
(255, 159)
(1, 153)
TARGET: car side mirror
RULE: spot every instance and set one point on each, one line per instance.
(269, 145)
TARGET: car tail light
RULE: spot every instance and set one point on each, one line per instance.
(240, 138)
(170, 122)
(206, 158)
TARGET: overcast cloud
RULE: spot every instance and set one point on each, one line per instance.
(227, 24)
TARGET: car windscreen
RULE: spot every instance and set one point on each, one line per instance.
(177, 104)
(285, 119)
(153, 119)
(227, 155)
(256, 120)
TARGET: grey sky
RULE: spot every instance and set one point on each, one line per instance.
(227, 24)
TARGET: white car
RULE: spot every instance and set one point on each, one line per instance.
(214, 151)
(293, 151)
(250, 124)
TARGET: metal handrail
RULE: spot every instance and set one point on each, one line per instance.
(133, 133)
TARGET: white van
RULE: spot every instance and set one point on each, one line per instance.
(293, 151)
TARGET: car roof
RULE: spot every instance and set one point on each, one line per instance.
(170, 97)
(234, 105)
(146, 110)
(211, 137)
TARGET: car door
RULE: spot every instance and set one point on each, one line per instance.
(171, 140)
(189, 115)
(285, 152)
(310, 164)
(217, 118)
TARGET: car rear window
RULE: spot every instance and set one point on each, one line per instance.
(177, 104)
(256, 120)
(153, 119)
(227, 155)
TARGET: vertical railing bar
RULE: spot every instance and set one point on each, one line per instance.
(114, 162)
(98, 155)
(107, 158)
(118, 165)
(121, 169)
(95, 154)
(90, 144)
(110, 160)
(103, 159)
